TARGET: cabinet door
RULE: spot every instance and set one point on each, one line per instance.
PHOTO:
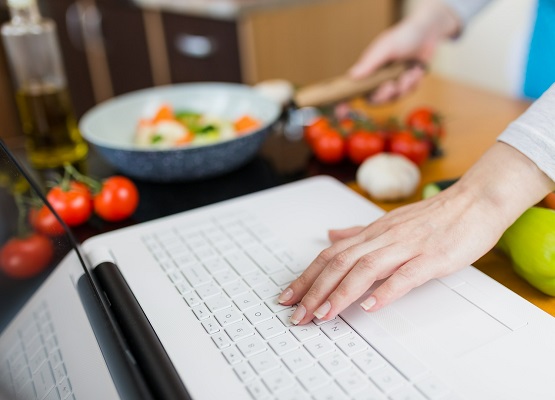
(201, 49)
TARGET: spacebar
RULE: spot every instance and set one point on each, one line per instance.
(384, 343)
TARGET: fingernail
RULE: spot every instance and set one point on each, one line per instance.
(322, 311)
(286, 295)
(298, 315)
(368, 303)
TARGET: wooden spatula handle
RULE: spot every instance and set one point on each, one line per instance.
(344, 87)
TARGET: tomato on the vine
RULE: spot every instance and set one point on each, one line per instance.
(362, 144)
(408, 145)
(26, 257)
(74, 205)
(313, 131)
(44, 221)
(117, 199)
(329, 147)
(427, 121)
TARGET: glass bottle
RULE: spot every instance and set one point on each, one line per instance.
(48, 121)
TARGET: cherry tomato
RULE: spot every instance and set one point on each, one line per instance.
(405, 143)
(117, 200)
(45, 222)
(74, 205)
(363, 144)
(313, 131)
(329, 147)
(26, 257)
(427, 121)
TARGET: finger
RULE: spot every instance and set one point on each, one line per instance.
(340, 234)
(296, 289)
(410, 275)
(385, 92)
(370, 268)
(410, 79)
(331, 277)
(375, 55)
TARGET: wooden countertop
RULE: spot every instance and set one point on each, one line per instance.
(473, 119)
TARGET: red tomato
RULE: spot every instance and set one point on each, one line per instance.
(549, 200)
(313, 131)
(74, 206)
(363, 144)
(427, 121)
(26, 257)
(329, 147)
(45, 222)
(408, 145)
(117, 200)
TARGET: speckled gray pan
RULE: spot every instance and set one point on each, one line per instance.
(110, 127)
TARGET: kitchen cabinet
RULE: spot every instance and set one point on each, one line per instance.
(112, 47)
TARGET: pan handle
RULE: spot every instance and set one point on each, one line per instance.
(344, 87)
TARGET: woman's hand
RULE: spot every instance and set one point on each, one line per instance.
(415, 38)
(421, 241)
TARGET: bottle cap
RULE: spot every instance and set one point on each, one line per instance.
(21, 3)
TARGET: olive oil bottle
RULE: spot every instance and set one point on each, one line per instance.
(45, 110)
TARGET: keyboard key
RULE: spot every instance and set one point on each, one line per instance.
(59, 373)
(216, 265)
(221, 340)
(239, 330)
(218, 303)
(32, 347)
(244, 372)
(294, 393)
(65, 388)
(26, 392)
(297, 360)
(232, 355)
(258, 390)
(305, 332)
(55, 359)
(53, 395)
(352, 381)
(235, 289)
(43, 380)
(266, 290)
(283, 277)
(266, 261)
(319, 346)
(196, 275)
(318, 321)
(251, 346)
(336, 329)
(264, 362)
(226, 276)
(241, 263)
(313, 377)
(208, 290)
(352, 344)
(201, 312)
(258, 314)
(369, 361)
(278, 380)
(255, 278)
(387, 379)
(285, 316)
(283, 344)
(335, 362)
(274, 305)
(246, 301)
(183, 287)
(370, 393)
(228, 316)
(36, 362)
(211, 325)
(329, 392)
(192, 299)
(270, 328)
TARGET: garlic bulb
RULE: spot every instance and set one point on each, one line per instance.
(388, 177)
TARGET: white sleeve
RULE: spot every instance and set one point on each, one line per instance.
(533, 133)
(466, 9)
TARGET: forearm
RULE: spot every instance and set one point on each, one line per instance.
(506, 181)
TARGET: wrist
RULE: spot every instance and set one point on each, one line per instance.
(436, 19)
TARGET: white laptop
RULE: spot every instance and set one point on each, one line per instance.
(184, 307)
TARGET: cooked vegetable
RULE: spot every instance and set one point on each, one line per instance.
(530, 242)
(388, 177)
(168, 128)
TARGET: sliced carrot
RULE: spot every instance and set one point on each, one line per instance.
(186, 138)
(164, 113)
(245, 124)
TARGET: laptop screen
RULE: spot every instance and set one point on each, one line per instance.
(32, 240)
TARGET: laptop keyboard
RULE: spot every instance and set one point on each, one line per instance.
(33, 367)
(230, 272)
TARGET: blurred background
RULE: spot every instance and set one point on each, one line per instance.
(112, 47)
